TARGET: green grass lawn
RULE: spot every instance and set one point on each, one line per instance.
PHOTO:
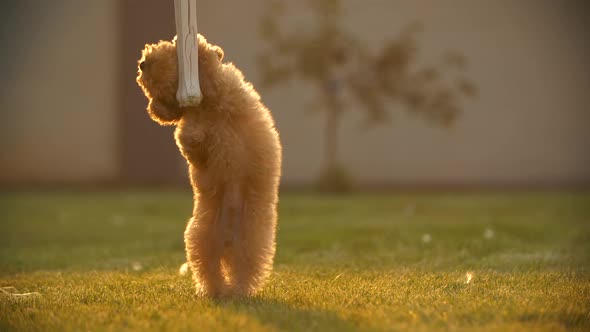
(109, 261)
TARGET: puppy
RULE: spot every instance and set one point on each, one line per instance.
(234, 156)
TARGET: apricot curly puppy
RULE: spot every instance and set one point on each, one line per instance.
(234, 156)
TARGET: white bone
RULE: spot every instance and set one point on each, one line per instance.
(189, 90)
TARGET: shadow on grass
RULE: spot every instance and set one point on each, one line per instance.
(569, 320)
(285, 316)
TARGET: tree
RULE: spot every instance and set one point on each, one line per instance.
(345, 72)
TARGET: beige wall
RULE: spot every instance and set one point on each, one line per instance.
(58, 107)
(529, 125)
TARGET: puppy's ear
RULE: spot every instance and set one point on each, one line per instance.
(164, 113)
(219, 52)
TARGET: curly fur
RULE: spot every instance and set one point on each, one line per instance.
(234, 156)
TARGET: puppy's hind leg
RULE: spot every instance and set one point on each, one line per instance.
(253, 246)
(204, 253)
(230, 216)
(231, 221)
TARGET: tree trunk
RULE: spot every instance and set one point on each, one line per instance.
(331, 138)
(333, 177)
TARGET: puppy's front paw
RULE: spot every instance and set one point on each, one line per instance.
(164, 113)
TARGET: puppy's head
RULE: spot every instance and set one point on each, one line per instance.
(158, 73)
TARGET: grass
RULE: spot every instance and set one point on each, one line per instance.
(491, 262)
